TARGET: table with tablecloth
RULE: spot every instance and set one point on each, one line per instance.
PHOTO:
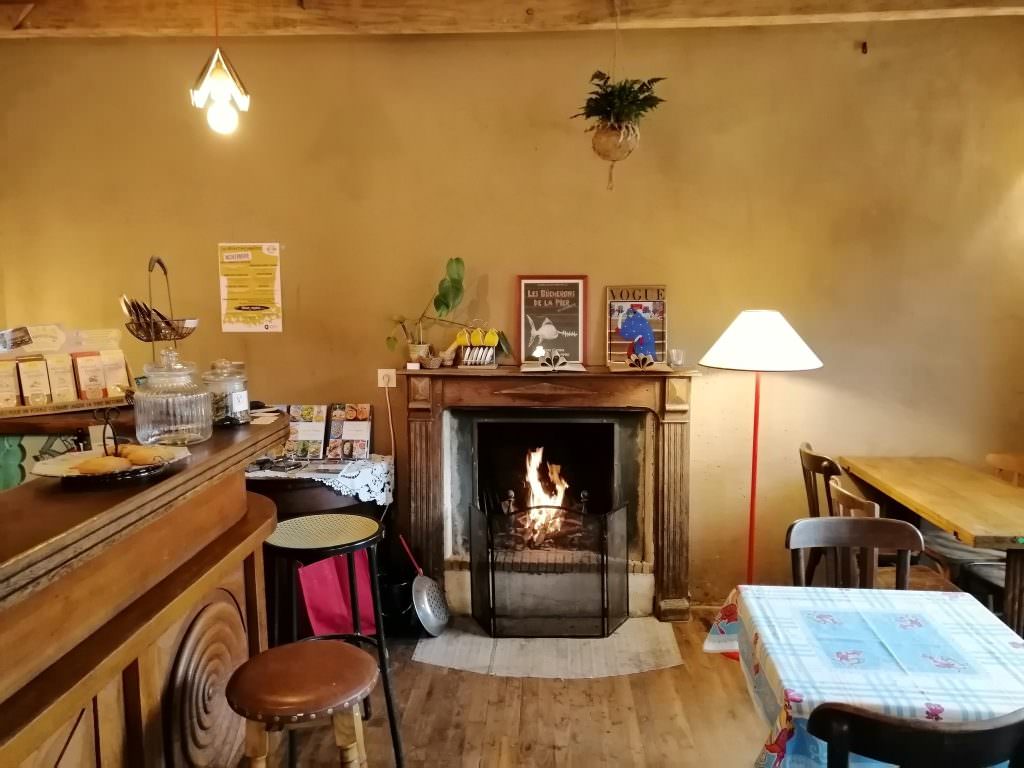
(936, 656)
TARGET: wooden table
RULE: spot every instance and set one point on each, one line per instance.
(978, 508)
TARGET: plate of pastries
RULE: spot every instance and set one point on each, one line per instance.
(97, 467)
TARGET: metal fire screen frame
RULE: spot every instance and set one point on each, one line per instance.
(593, 597)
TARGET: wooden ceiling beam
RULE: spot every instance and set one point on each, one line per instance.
(184, 18)
(13, 14)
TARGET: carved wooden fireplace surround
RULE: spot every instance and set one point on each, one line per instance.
(426, 394)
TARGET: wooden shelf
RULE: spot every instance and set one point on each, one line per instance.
(78, 406)
(65, 423)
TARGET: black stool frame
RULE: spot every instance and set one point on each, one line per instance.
(296, 557)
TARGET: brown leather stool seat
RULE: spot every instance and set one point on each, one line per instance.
(316, 680)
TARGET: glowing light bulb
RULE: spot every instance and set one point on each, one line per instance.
(221, 84)
(222, 117)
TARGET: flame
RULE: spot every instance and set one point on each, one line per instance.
(545, 515)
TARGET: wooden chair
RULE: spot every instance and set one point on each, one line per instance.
(818, 471)
(846, 504)
(846, 539)
(917, 743)
(815, 466)
(1008, 466)
(921, 578)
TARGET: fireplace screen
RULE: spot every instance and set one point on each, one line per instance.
(548, 544)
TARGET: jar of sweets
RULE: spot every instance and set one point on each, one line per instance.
(171, 408)
(229, 387)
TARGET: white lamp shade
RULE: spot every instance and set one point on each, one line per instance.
(760, 340)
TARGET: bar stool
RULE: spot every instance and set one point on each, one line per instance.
(311, 538)
(302, 683)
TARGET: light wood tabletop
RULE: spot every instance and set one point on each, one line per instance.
(978, 507)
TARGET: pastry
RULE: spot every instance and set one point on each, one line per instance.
(103, 465)
(143, 455)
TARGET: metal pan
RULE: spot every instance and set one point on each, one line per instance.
(427, 598)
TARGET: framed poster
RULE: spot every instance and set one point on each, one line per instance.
(635, 324)
(552, 316)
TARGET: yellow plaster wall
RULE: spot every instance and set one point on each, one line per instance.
(876, 200)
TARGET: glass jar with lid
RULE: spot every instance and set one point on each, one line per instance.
(229, 387)
(171, 409)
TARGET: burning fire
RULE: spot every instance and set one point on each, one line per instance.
(545, 513)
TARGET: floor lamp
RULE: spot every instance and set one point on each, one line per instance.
(759, 340)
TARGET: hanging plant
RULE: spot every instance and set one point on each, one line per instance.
(615, 107)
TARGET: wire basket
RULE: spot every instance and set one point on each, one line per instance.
(160, 327)
(162, 330)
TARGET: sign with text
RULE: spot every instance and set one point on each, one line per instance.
(552, 316)
(250, 287)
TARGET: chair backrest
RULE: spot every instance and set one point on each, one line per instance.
(1008, 466)
(846, 504)
(917, 743)
(815, 466)
(851, 547)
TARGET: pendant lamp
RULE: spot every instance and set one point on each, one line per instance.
(219, 89)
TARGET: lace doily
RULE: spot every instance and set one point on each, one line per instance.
(370, 479)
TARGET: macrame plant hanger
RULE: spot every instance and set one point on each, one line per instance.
(615, 63)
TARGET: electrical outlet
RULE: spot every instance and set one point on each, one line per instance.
(386, 377)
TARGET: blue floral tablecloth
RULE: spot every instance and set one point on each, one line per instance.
(939, 656)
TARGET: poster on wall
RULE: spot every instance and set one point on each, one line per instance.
(250, 287)
(636, 326)
(552, 317)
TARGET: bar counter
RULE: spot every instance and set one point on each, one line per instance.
(124, 610)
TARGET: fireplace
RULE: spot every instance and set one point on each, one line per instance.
(548, 529)
(435, 430)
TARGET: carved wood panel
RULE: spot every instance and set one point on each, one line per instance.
(426, 518)
(419, 393)
(671, 531)
(72, 745)
(202, 728)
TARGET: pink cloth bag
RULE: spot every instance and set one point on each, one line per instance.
(325, 592)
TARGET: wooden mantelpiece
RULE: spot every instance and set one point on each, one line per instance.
(124, 610)
(427, 394)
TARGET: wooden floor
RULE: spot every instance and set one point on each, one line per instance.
(698, 714)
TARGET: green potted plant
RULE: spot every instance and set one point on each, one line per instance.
(443, 303)
(615, 107)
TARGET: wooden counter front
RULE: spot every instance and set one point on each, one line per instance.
(124, 610)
